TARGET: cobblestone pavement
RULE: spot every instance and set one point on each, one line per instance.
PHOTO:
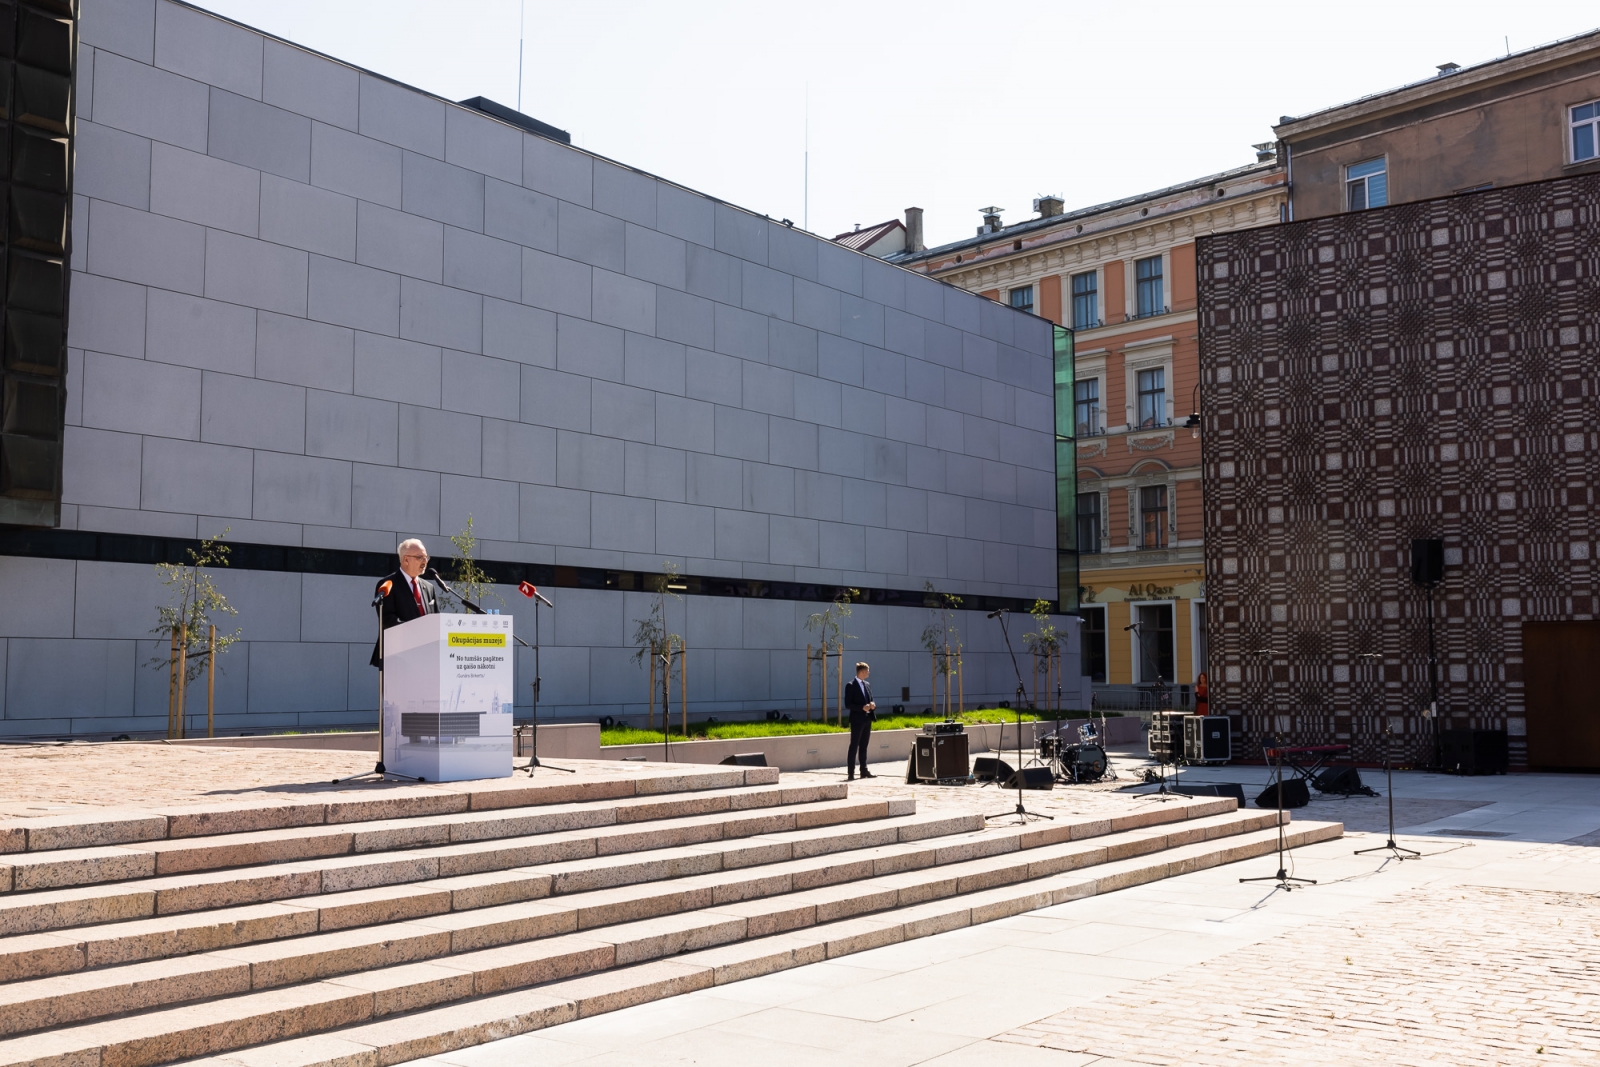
(1463, 976)
(1480, 953)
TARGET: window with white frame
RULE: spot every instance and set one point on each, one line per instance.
(1151, 286)
(1094, 642)
(1153, 516)
(1366, 184)
(1152, 410)
(1086, 404)
(1586, 131)
(1022, 299)
(1085, 300)
(1089, 524)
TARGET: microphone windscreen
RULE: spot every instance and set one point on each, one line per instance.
(528, 589)
(383, 590)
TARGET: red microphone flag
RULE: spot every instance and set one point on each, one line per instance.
(528, 589)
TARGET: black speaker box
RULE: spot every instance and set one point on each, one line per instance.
(1427, 561)
(1032, 778)
(1474, 752)
(1218, 789)
(990, 769)
(1295, 795)
(746, 759)
(1343, 780)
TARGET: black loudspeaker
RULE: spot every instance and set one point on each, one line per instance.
(38, 46)
(990, 769)
(746, 759)
(1219, 789)
(1032, 778)
(1474, 751)
(1295, 795)
(1427, 561)
(1346, 781)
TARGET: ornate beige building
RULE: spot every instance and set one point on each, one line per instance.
(1122, 276)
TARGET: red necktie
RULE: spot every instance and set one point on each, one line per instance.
(416, 591)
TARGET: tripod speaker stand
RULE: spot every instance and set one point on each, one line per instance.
(1021, 811)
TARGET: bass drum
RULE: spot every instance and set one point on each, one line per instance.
(1087, 763)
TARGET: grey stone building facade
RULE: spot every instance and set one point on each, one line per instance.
(325, 311)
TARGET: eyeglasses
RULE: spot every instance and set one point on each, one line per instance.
(413, 555)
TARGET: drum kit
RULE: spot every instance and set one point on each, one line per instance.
(1074, 763)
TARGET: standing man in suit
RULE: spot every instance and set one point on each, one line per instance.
(410, 595)
(858, 698)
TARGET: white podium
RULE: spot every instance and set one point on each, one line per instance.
(447, 697)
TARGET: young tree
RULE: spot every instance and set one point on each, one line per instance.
(471, 579)
(1045, 644)
(829, 626)
(942, 639)
(186, 621)
(656, 643)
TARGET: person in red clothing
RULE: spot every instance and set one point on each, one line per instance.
(1202, 695)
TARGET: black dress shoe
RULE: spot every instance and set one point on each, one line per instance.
(849, 777)
(868, 774)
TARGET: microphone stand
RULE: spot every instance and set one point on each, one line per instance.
(383, 773)
(1389, 846)
(1021, 811)
(533, 760)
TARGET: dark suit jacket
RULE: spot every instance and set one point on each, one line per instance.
(857, 695)
(400, 606)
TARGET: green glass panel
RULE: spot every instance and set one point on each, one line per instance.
(1066, 477)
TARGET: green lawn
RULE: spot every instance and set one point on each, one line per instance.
(727, 731)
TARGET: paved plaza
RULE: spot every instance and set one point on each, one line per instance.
(1485, 951)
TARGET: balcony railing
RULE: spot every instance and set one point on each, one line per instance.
(1152, 313)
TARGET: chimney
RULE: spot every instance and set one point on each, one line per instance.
(914, 230)
(991, 220)
(1266, 151)
(1049, 206)
(1447, 69)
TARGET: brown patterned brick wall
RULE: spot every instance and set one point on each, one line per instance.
(1425, 370)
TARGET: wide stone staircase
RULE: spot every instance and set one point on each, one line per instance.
(370, 929)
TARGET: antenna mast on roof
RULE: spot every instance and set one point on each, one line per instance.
(522, 26)
(805, 214)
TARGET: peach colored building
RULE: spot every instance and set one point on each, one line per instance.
(1122, 276)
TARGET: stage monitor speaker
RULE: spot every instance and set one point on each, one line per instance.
(940, 756)
(1295, 795)
(1032, 778)
(1345, 781)
(1474, 751)
(990, 769)
(746, 759)
(1218, 789)
(38, 47)
(1427, 561)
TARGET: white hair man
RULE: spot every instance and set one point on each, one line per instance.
(410, 595)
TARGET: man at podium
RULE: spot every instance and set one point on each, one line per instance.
(410, 595)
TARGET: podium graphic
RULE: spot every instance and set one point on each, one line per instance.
(447, 697)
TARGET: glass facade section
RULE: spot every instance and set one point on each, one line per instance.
(1066, 477)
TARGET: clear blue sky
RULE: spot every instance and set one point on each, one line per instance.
(946, 106)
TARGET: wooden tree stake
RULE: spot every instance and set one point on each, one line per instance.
(172, 688)
(183, 677)
(211, 684)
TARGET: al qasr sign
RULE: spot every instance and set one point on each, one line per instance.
(1150, 591)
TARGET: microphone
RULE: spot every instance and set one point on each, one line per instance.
(997, 612)
(433, 572)
(383, 591)
(531, 590)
